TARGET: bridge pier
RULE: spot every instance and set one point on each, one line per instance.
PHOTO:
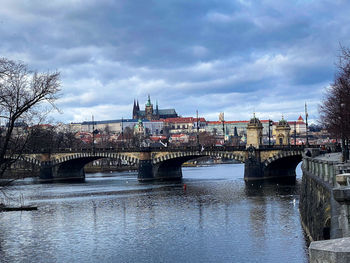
(168, 170)
(46, 171)
(281, 170)
(253, 170)
(73, 170)
(145, 171)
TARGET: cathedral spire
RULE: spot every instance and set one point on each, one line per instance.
(149, 101)
(134, 110)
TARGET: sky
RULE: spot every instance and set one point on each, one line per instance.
(231, 56)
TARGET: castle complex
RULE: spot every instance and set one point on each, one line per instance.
(152, 114)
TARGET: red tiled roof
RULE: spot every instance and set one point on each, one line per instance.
(226, 122)
(233, 122)
(296, 122)
(157, 138)
(178, 135)
(184, 120)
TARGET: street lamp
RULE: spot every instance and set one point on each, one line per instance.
(295, 133)
(270, 125)
(197, 129)
(94, 132)
(307, 126)
(122, 132)
(223, 127)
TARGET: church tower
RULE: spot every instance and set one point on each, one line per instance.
(149, 109)
(254, 132)
(137, 105)
(282, 132)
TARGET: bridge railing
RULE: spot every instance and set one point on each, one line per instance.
(324, 169)
(285, 147)
(139, 149)
(167, 149)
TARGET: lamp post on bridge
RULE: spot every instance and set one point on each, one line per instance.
(197, 129)
(295, 133)
(222, 119)
(270, 125)
(307, 126)
(122, 132)
(93, 135)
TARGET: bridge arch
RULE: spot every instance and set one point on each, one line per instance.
(168, 166)
(71, 166)
(24, 158)
(30, 160)
(88, 157)
(193, 155)
(282, 165)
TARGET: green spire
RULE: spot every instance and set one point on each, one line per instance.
(149, 101)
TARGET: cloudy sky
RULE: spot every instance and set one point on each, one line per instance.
(232, 56)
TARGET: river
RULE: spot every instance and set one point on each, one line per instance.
(114, 218)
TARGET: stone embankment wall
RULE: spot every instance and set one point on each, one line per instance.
(325, 206)
(323, 214)
(316, 197)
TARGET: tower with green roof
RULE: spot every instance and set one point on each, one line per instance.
(282, 132)
(149, 109)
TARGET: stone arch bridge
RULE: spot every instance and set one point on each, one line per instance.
(264, 162)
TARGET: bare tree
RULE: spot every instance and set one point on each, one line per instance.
(25, 98)
(335, 108)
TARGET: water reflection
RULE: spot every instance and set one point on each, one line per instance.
(115, 219)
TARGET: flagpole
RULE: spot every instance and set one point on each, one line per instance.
(307, 126)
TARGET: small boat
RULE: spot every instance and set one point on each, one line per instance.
(19, 208)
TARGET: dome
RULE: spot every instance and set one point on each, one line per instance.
(283, 123)
(254, 120)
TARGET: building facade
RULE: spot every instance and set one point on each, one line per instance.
(117, 126)
(184, 125)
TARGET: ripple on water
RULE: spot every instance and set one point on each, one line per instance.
(116, 219)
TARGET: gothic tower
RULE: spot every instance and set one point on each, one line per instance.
(134, 111)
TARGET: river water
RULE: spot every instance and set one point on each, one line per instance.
(114, 218)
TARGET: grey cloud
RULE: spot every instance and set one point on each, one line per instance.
(188, 53)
